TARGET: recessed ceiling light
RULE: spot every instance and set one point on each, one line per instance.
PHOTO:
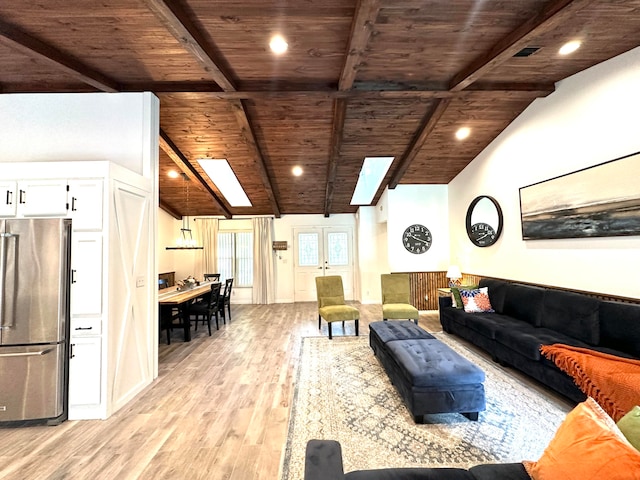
(463, 133)
(569, 47)
(220, 173)
(297, 170)
(173, 174)
(278, 44)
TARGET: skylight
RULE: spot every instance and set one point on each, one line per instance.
(371, 175)
(220, 173)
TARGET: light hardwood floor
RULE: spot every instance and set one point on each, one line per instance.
(219, 408)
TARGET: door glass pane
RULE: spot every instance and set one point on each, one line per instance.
(338, 248)
(308, 249)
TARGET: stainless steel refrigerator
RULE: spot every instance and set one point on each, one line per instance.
(34, 320)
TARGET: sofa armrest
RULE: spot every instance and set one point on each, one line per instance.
(323, 460)
(444, 302)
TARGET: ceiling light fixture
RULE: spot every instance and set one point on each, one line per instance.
(220, 173)
(173, 174)
(463, 133)
(569, 47)
(278, 44)
(297, 170)
(371, 175)
(185, 241)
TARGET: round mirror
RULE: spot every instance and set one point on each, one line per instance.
(484, 221)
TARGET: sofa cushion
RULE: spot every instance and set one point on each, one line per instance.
(497, 292)
(499, 471)
(587, 446)
(524, 303)
(572, 314)
(476, 301)
(620, 327)
(629, 425)
(411, 474)
(431, 363)
(526, 340)
(456, 300)
(488, 324)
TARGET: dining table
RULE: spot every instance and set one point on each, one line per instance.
(180, 298)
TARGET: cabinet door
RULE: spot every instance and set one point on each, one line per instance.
(86, 273)
(85, 204)
(42, 198)
(8, 199)
(85, 371)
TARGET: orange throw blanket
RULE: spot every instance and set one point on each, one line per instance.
(613, 382)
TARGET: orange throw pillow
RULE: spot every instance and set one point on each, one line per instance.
(587, 446)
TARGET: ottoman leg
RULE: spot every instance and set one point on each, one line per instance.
(418, 419)
(471, 416)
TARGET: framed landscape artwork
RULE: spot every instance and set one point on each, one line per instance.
(599, 201)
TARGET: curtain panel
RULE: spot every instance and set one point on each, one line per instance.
(263, 269)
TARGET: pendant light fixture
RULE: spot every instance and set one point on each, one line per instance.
(185, 241)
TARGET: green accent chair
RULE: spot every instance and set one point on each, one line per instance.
(396, 298)
(331, 304)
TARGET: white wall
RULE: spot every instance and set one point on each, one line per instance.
(425, 205)
(76, 127)
(372, 254)
(591, 118)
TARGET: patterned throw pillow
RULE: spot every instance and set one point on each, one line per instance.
(476, 301)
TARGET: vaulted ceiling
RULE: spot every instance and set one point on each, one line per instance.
(360, 78)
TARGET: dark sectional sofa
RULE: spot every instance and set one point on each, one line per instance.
(527, 317)
(324, 462)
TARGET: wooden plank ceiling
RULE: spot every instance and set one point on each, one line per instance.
(360, 78)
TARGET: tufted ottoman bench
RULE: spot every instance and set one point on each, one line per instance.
(429, 375)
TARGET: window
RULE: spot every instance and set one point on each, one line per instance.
(235, 257)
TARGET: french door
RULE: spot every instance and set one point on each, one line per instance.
(321, 251)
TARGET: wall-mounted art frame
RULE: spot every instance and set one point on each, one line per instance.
(599, 201)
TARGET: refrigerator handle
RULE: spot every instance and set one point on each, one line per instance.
(4, 240)
(27, 354)
(9, 197)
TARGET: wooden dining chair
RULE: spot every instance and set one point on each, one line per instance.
(225, 300)
(211, 277)
(208, 308)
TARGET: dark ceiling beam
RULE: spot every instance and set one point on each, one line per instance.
(36, 49)
(427, 125)
(552, 15)
(198, 89)
(337, 131)
(182, 28)
(183, 164)
(250, 139)
(169, 209)
(361, 29)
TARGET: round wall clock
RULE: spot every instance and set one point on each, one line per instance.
(417, 239)
(484, 221)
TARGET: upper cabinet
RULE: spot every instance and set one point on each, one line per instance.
(34, 198)
(85, 204)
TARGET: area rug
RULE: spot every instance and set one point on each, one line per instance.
(342, 393)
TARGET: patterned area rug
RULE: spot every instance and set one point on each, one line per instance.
(342, 393)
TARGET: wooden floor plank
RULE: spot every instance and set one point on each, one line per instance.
(218, 410)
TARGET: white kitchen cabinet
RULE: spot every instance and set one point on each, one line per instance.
(86, 273)
(42, 198)
(113, 293)
(85, 365)
(8, 200)
(85, 204)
